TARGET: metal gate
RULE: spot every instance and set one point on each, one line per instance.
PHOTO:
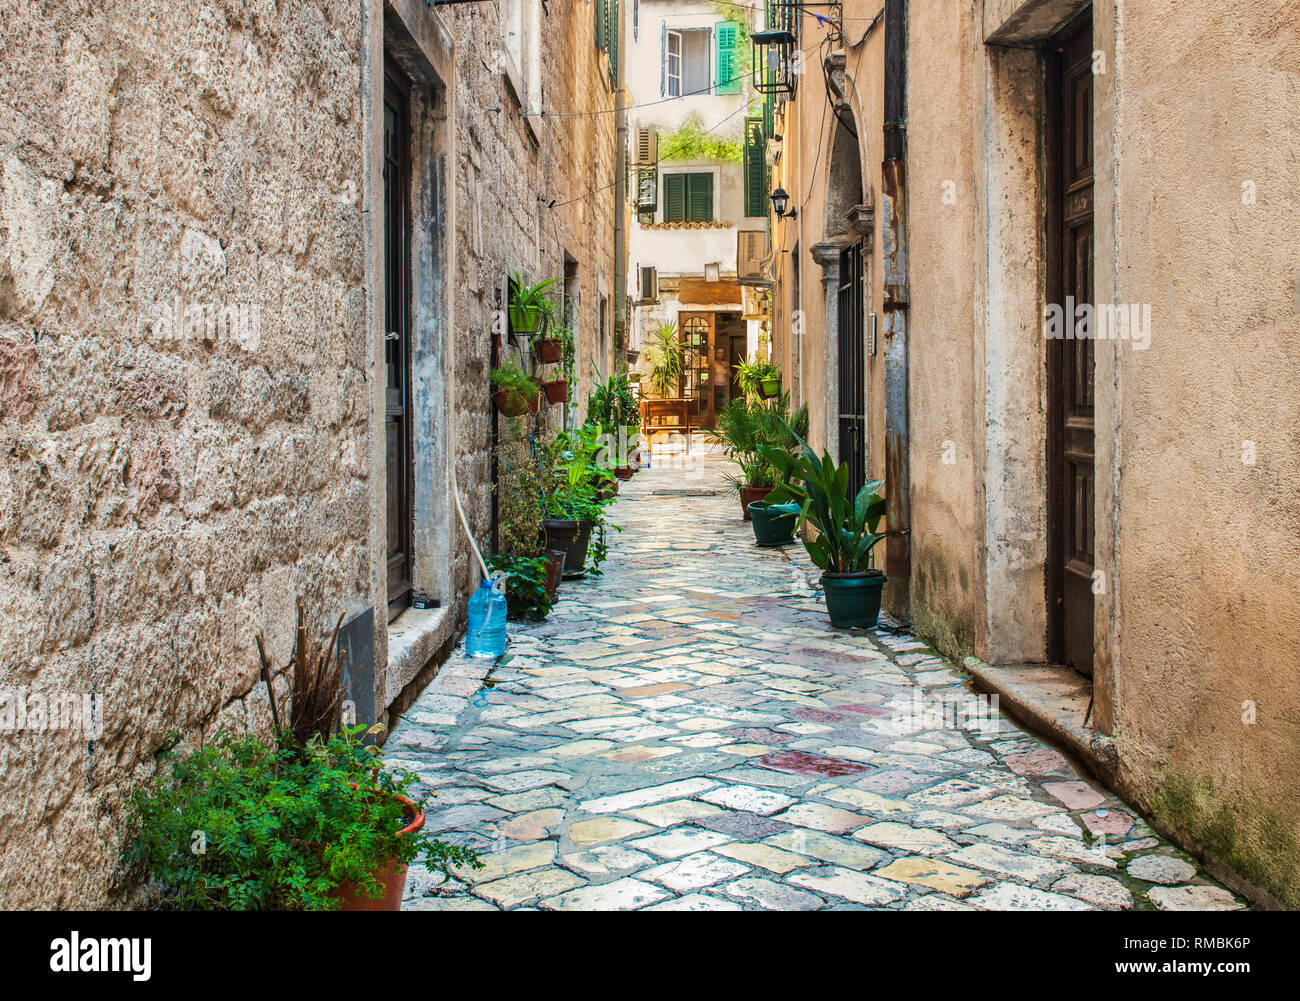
(850, 312)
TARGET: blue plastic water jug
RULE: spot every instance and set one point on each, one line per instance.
(487, 620)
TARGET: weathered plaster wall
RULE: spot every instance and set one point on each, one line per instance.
(162, 499)
(1206, 548)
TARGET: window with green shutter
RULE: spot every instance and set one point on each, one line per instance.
(756, 201)
(724, 40)
(612, 36)
(688, 197)
(602, 24)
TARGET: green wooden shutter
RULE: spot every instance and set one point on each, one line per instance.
(602, 25)
(756, 201)
(613, 43)
(674, 197)
(724, 40)
(699, 197)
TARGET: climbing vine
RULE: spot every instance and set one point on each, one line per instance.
(693, 142)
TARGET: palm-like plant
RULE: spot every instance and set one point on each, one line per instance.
(745, 427)
(666, 359)
(846, 529)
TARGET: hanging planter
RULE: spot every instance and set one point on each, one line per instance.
(632, 356)
(769, 389)
(525, 319)
(549, 350)
(515, 404)
(557, 390)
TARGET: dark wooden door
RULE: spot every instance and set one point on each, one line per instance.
(1071, 363)
(397, 348)
(851, 356)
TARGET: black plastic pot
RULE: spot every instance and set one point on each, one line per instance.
(773, 523)
(853, 599)
(571, 538)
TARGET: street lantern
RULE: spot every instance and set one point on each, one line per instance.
(781, 204)
(773, 73)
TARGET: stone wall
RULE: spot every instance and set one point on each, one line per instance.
(188, 304)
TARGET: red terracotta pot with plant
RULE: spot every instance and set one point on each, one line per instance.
(389, 872)
(557, 390)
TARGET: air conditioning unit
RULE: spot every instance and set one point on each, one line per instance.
(751, 258)
(645, 152)
(649, 284)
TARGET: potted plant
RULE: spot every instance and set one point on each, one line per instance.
(744, 427)
(613, 406)
(665, 359)
(774, 524)
(575, 499)
(556, 390)
(516, 392)
(531, 305)
(528, 595)
(846, 534)
(308, 820)
(759, 378)
(557, 343)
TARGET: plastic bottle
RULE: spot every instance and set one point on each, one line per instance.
(487, 620)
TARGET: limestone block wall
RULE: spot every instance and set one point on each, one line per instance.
(183, 402)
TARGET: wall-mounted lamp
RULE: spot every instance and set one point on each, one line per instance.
(781, 205)
(773, 73)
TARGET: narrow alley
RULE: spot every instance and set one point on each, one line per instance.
(686, 732)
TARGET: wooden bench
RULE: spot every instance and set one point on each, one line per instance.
(669, 417)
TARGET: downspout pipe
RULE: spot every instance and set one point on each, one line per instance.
(898, 509)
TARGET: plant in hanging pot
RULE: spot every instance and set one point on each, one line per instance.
(846, 534)
(531, 305)
(744, 428)
(557, 390)
(516, 392)
(556, 345)
(759, 378)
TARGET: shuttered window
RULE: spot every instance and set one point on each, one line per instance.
(612, 38)
(725, 38)
(756, 201)
(688, 197)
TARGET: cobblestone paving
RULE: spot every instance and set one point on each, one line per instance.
(688, 733)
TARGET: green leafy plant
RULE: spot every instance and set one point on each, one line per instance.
(519, 490)
(535, 298)
(518, 385)
(612, 405)
(666, 359)
(846, 529)
(238, 825)
(578, 484)
(751, 374)
(746, 427)
(526, 595)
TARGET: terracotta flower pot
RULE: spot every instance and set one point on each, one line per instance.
(391, 873)
(549, 350)
(624, 472)
(554, 571)
(750, 495)
(557, 390)
(515, 407)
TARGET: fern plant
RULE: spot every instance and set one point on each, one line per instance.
(746, 427)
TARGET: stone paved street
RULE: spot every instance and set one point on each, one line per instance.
(688, 733)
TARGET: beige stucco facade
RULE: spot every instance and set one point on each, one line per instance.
(1196, 144)
(192, 336)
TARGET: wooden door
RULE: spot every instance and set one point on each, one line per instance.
(397, 349)
(697, 334)
(851, 361)
(1071, 361)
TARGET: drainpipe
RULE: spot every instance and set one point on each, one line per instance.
(618, 307)
(898, 508)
